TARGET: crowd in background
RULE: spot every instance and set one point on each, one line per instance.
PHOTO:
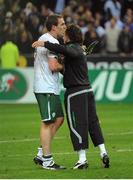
(108, 21)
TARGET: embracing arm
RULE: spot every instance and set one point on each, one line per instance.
(63, 49)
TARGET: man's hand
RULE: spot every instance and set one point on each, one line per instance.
(54, 66)
(61, 59)
(38, 44)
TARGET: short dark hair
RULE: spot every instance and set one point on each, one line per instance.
(52, 20)
(74, 33)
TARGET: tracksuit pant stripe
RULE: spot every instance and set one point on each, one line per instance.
(70, 96)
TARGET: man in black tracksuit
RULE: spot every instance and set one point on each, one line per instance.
(79, 98)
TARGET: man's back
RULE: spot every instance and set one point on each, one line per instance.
(9, 55)
(76, 68)
(45, 81)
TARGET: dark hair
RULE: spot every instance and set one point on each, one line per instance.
(52, 20)
(74, 33)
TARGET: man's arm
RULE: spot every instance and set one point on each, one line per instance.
(54, 66)
(63, 49)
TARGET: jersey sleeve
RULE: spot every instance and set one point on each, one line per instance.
(68, 50)
(41, 50)
(50, 53)
(46, 51)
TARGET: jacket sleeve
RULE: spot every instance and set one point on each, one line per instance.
(63, 49)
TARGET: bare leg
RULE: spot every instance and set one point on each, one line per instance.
(56, 125)
(46, 137)
(48, 130)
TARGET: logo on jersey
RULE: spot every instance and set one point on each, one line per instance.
(53, 114)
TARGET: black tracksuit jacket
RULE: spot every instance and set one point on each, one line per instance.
(76, 73)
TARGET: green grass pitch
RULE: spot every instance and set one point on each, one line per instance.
(19, 139)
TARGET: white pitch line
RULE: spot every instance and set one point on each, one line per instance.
(19, 140)
(67, 153)
(59, 137)
(121, 133)
(124, 150)
(29, 140)
(57, 153)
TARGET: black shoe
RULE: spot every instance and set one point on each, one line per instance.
(79, 165)
(53, 166)
(38, 160)
(105, 161)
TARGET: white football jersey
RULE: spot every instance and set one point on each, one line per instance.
(45, 81)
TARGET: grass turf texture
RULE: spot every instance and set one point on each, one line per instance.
(19, 139)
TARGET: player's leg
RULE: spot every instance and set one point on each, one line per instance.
(56, 125)
(95, 130)
(76, 110)
(46, 137)
(48, 115)
(46, 141)
(57, 111)
(45, 128)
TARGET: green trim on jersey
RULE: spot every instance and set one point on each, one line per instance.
(50, 106)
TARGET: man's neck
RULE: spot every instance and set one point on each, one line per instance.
(53, 34)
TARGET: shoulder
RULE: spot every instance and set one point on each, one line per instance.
(74, 45)
(76, 49)
(14, 46)
(71, 45)
(108, 4)
(48, 37)
(2, 47)
(52, 39)
(43, 37)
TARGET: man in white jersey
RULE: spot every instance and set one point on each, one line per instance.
(46, 89)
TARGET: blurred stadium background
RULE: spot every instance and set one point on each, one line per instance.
(110, 68)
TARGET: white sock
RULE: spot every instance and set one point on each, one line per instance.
(102, 149)
(82, 155)
(40, 152)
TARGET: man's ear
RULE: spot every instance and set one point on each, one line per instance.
(54, 28)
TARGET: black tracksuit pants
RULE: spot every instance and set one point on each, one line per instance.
(82, 118)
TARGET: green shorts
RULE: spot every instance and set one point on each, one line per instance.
(50, 106)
